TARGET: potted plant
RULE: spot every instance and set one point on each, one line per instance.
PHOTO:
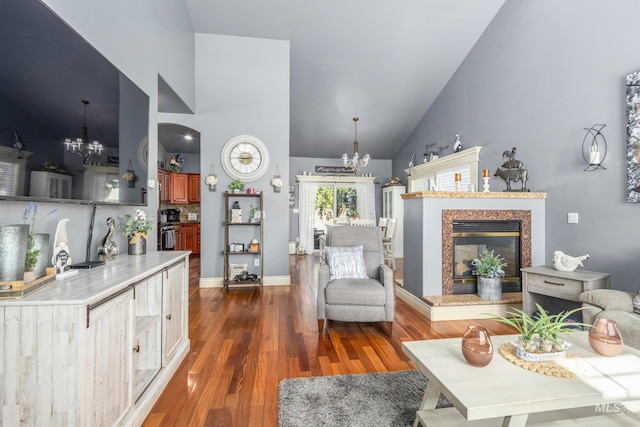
(489, 269)
(539, 338)
(135, 228)
(254, 214)
(37, 245)
(236, 185)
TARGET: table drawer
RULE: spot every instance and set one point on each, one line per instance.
(554, 286)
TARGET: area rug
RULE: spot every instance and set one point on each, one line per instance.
(376, 399)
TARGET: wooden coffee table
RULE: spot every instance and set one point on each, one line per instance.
(504, 394)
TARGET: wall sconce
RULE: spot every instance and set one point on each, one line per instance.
(130, 176)
(276, 181)
(594, 147)
(212, 179)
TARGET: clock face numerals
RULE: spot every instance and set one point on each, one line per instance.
(245, 157)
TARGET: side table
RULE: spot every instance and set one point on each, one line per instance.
(541, 283)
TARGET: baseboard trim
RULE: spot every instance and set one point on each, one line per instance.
(217, 282)
(454, 312)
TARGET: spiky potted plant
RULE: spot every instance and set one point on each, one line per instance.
(489, 269)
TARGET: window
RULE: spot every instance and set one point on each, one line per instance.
(334, 204)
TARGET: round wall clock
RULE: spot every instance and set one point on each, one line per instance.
(245, 157)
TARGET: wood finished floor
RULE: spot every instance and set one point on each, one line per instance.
(244, 342)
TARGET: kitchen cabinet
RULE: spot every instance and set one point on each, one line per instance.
(179, 188)
(164, 185)
(193, 188)
(191, 232)
(97, 348)
(50, 184)
(177, 229)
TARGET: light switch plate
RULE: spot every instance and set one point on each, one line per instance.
(192, 216)
(572, 217)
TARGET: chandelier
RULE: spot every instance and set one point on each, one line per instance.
(355, 162)
(81, 146)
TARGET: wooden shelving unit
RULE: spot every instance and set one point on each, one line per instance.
(245, 231)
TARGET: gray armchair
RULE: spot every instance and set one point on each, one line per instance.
(357, 300)
(613, 305)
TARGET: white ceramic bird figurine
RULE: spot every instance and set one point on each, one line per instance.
(564, 262)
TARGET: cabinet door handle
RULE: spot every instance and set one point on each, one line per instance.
(553, 283)
(168, 317)
(137, 348)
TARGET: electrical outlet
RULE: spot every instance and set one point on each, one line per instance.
(256, 262)
(572, 217)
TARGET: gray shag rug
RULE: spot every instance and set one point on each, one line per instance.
(380, 399)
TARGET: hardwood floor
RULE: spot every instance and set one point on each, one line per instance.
(244, 342)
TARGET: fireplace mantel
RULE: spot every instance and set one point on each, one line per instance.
(473, 195)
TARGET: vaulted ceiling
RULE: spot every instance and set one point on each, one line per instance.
(383, 61)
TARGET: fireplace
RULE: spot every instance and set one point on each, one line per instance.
(471, 237)
(465, 233)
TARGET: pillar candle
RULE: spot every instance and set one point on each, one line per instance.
(485, 173)
(458, 177)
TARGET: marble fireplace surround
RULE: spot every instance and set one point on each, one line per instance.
(451, 215)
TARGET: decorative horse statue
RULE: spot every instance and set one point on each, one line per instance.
(508, 175)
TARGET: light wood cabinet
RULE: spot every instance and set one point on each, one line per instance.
(98, 348)
(179, 188)
(174, 314)
(108, 365)
(194, 188)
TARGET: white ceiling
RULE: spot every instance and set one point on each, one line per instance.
(381, 60)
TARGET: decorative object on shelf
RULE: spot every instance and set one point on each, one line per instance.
(458, 180)
(37, 244)
(564, 262)
(108, 249)
(411, 164)
(176, 162)
(235, 269)
(485, 180)
(539, 338)
(457, 144)
(251, 190)
(489, 269)
(254, 246)
(61, 258)
(245, 275)
(130, 176)
(513, 171)
(605, 338)
(212, 179)
(254, 214)
(135, 228)
(81, 146)
(276, 181)
(356, 162)
(594, 147)
(17, 142)
(13, 251)
(236, 185)
(245, 157)
(477, 348)
(394, 180)
(427, 155)
(236, 213)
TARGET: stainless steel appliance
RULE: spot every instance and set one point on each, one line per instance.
(167, 237)
(173, 215)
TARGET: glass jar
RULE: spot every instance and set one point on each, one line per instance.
(605, 338)
(476, 346)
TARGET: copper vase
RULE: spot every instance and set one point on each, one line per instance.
(476, 346)
(605, 338)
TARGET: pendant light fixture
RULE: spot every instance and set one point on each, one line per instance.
(355, 162)
(81, 146)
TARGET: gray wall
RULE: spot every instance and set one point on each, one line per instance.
(378, 168)
(144, 45)
(540, 73)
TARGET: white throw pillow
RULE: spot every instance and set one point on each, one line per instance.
(345, 262)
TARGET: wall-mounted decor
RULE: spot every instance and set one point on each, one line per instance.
(594, 147)
(633, 137)
(245, 157)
